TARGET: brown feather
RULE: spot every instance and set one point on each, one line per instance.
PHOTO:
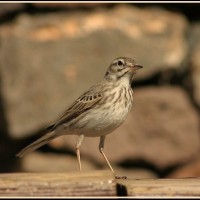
(83, 103)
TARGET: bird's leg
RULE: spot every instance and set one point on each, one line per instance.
(101, 146)
(78, 145)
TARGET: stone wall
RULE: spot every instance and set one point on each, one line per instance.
(51, 53)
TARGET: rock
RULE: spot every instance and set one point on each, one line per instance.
(50, 162)
(135, 173)
(196, 63)
(191, 169)
(7, 8)
(67, 5)
(48, 60)
(162, 129)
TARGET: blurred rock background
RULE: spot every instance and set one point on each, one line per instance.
(52, 52)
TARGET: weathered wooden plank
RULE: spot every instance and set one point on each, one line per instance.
(187, 187)
(95, 183)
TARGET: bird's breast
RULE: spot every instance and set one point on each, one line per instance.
(109, 113)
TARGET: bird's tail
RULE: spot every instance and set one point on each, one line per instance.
(37, 144)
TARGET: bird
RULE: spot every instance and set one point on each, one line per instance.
(97, 112)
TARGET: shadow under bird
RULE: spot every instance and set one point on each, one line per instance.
(98, 111)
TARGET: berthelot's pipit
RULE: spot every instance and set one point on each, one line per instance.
(98, 111)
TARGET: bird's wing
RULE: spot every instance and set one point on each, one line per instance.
(83, 103)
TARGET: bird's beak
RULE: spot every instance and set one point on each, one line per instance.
(136, 66)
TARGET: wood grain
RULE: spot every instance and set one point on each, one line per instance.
(187, 187)
(95, 183)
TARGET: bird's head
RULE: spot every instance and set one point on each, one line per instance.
(122, 67)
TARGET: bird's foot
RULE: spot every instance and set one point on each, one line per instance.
(120, 177)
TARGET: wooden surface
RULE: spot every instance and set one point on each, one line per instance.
(93, 183)
(187, 187)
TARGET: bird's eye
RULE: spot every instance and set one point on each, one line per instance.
(120, 63)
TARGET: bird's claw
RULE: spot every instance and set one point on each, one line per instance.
(120, 177)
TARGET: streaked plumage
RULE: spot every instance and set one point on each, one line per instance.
(97, 112)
